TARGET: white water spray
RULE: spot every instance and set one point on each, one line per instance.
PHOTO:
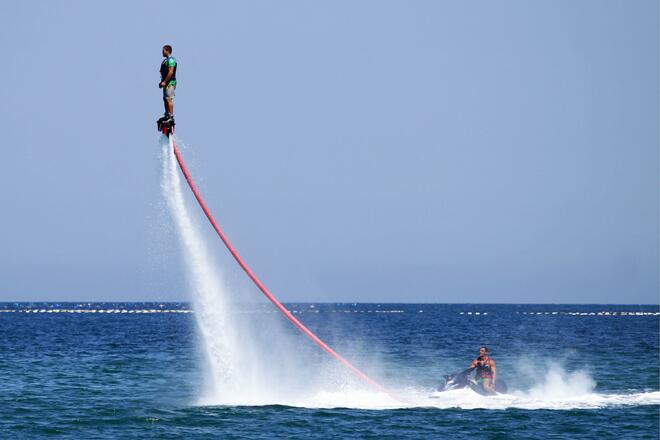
(243, 365)
(554, 388)
(226, 363)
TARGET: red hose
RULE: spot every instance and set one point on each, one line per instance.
(262, 287)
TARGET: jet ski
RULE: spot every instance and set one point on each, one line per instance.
(166, 125)
(461, 380)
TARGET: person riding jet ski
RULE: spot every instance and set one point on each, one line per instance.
(485, 382)
(486, 375)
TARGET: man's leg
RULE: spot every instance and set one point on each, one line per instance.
(168, 100)
(168, 96)
(488, 386)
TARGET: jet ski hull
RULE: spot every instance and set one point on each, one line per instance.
(462, 380)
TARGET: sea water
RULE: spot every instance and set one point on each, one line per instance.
(135, 370)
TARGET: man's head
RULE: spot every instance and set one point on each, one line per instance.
(483, 351)
(167, 50)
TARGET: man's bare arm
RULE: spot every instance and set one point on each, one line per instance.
(170, 73)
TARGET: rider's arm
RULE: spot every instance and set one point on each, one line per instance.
(493, 367)
(170, 72)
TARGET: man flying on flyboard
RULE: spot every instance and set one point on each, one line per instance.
(168, 84)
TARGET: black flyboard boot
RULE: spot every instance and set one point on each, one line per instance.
(166, 124)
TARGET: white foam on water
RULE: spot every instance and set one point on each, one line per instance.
(467, 399)
(352, 398)
(557, 390)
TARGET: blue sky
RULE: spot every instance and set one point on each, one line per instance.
(418, 151)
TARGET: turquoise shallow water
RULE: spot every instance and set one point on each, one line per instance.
(575, 371)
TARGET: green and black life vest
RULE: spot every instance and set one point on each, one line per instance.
(165, 67)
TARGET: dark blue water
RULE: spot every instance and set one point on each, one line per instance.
(575, 371)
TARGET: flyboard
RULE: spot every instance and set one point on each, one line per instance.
(166, 127)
